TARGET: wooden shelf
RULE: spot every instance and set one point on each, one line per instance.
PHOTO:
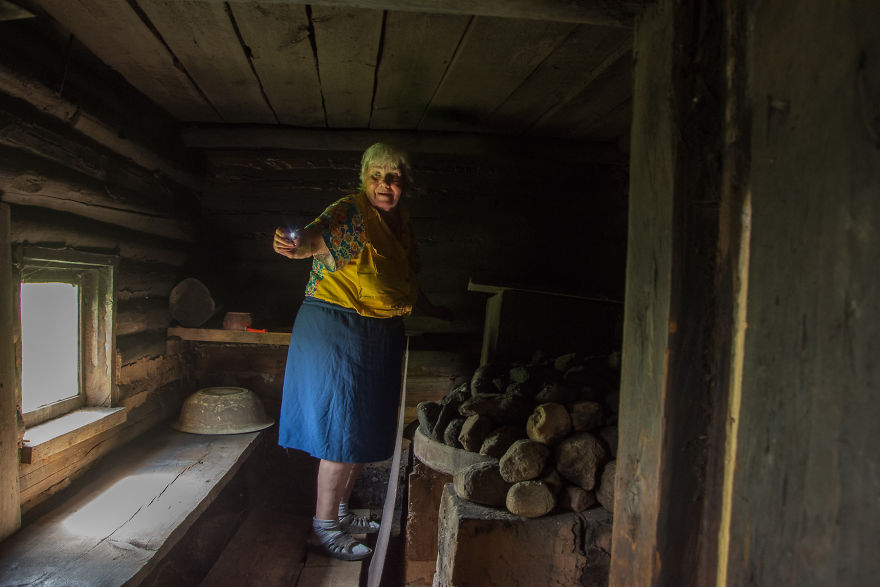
(233, 336)
(415, 326)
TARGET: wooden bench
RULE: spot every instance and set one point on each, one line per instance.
(127, 514)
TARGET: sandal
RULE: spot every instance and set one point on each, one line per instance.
(355, 524)
(341, 545)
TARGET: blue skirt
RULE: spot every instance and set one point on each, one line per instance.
(341, 384)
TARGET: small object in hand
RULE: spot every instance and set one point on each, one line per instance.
(292, 235)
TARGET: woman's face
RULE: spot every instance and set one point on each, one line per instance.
(384, 186)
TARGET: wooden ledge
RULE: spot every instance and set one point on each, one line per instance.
(127, 514)
(49, 438)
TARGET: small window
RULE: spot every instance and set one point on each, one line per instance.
(66, 307)
(50, 344)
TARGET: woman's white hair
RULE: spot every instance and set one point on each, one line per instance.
(385, 155)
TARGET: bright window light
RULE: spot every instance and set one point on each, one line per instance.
(49, 343)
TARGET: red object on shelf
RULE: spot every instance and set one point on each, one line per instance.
(249, 329)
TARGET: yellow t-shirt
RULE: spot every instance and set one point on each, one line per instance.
(368, 268)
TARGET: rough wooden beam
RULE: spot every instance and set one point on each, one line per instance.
(46, 100)
(619, 13)
(25, 183)
(10, 512)
(465, 144)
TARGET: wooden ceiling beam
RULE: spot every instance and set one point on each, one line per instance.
(617, 13)
(464, 144)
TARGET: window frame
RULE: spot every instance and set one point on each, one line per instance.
(95, 274)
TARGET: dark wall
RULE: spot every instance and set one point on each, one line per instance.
(527, 223)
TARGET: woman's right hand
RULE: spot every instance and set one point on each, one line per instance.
(286, 246)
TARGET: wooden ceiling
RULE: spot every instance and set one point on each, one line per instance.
(523, 68)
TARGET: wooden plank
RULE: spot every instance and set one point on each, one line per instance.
(416, 52)
(268, 549)
(203, 38)
(132, 49)
(611, 88)
(485, 61)
(10, 510)
(119, 525)
(483, 146)
(230, 336)
(561, 77)
(348, 46)
(281, 53)
(808, 418)
(49, 438)
(647, 310)
(598, 12)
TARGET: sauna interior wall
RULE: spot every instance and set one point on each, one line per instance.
(69, 192)
(553, 225)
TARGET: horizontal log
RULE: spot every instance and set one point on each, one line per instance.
(150, 373)
(137, 315)
(48, 101)
(27, 131)
(39, 226)
(132, 347)
(465, 144)
(619, 13)
(62, 197)
(137, 279)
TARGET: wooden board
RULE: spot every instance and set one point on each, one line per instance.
(611, 87)
(130, 48)
(561, 77)
(600, 12)
(268, 549)
(416, 52)
(348, 47)
(277, 35)
(803, 496)
(10, 512)
(647, 313)
(232, 336)
(202, 36)
(486, 60)
(137, 507)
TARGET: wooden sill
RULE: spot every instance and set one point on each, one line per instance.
(127, 514)
(46, 439)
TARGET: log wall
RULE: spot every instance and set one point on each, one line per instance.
(532, 223)
(74, 188)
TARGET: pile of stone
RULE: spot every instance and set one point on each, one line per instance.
(549, 427)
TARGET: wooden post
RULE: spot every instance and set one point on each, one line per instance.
(10, 509)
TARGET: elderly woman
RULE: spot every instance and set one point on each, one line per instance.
(342, 379)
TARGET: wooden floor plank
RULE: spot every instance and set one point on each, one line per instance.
(268, 550)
